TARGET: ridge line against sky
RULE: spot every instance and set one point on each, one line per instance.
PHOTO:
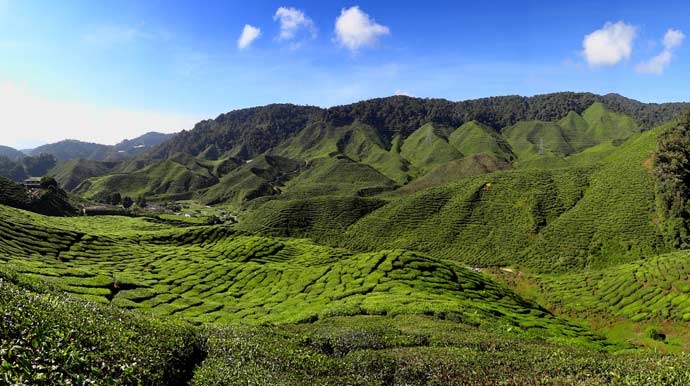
(105, 71)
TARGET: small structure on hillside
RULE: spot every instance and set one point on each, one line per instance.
(32, 183)
(103, 211)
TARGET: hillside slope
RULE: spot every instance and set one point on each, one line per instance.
(598, 211)
(401, 138)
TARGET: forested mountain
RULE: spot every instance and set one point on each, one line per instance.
(249, 132)
(27, 166)
(241, 133)
(400, 139)
(143, 143)
(72, 149)
(11, 153)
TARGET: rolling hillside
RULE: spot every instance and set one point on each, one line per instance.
(12, 154)
(387, 317)
(403, 139)
(74, 150)
(598, 211)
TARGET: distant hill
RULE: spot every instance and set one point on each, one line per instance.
(72, 149)
(131, 147)
(248, 132)
(11, 153)
(287, 151)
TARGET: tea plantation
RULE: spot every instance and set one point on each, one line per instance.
(591, 210)
(309, 314)
(447, 253)
(219, 275)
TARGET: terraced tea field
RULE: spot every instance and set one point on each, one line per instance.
(654, 288)
(220, 275)
(589, 214)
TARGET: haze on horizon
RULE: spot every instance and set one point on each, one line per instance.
(106, 71)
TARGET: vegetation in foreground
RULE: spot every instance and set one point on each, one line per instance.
(49, 338)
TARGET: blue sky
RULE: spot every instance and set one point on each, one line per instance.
(107, 70)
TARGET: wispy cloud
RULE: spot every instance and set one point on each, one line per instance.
(60, 119)
(403, 93)
(609, 45)
(107, 35)
(658, 64)
(355, 29)
(292, 20)
(249, 34)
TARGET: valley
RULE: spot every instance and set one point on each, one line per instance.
(505, 240)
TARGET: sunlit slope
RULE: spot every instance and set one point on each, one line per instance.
(483, 220)
(321, 218)
(360, 142)
(69, 174)
(158, 178)
(614, 221)
(569, 135)
(595, 213)
(653, 288)
(474, 138)
(274, 177)
(216, 274)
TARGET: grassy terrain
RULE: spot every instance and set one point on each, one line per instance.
(342, 158)
(653, 288)
(218, 275)
(594, 210)
(309, 314)
(49, 338)
(69, 174)
(158, 178)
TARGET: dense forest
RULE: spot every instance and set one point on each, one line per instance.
(249, 132)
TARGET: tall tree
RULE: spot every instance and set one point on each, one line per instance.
(672, 172)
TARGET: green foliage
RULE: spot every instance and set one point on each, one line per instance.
(47, 338)
(18, 169)
(651, 289)
(50, 201)
(217, 274)
(158, 178)
(69, 174)
(672, 172)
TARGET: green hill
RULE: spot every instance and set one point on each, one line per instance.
(653, 288)
(598, 211)
(11, 153)
(474, 138)
(69, 174)
(73, 149)
(219, 275)
(406, 138)
(158, 178)
(387, 317)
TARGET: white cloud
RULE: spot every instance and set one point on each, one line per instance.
(673, 38)
(249, 34)
(30, 118)
(291, 21)
(355, 29)
(403, 93)
(658, 64)
(609, 45)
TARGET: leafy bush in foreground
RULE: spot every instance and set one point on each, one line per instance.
(48, 338)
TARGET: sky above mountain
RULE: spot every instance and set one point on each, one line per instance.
(107, 70)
